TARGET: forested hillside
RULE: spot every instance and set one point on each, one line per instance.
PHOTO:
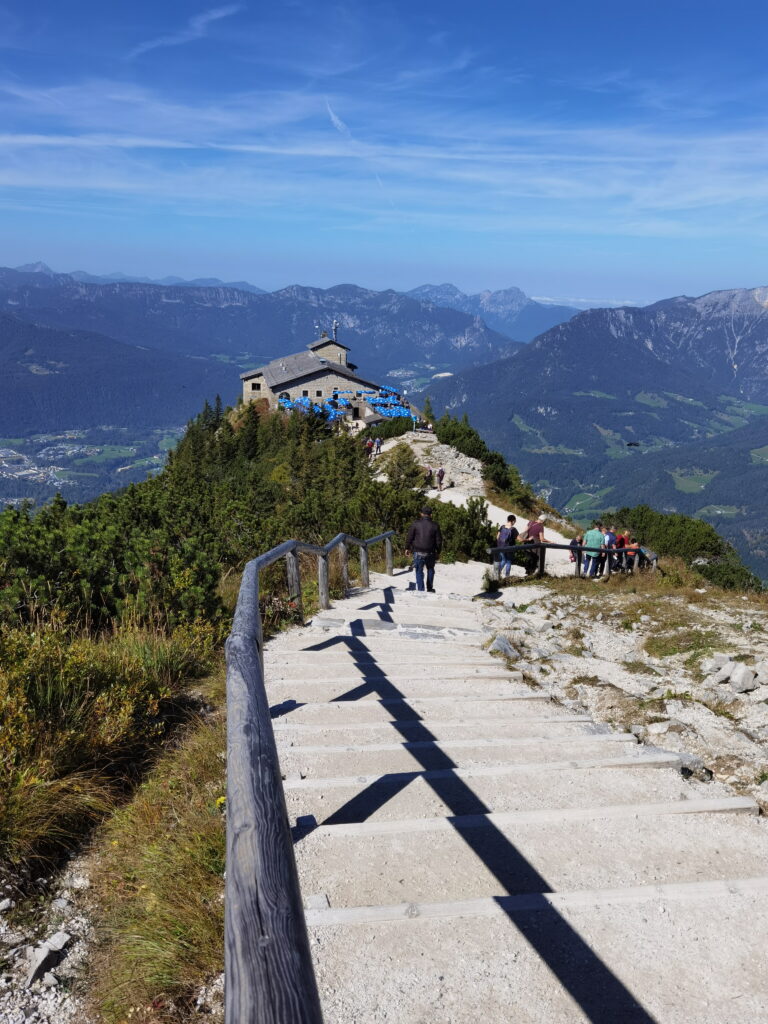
(105, 606)
(53, 380)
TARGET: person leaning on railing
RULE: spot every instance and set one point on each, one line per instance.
(533, 535)
(593, 543)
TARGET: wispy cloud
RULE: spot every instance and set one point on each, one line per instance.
(196, 28)
(337, 123)
(441, 169)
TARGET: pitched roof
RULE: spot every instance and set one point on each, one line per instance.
(302, 364)
(322, 342)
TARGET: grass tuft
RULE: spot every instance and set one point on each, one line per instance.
(159, 884)
(78, 719)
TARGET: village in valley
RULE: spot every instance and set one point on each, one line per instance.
(79, 463)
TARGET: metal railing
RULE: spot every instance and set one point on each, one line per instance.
(268, 970)
(540, 551)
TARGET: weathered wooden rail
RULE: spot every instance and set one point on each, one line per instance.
(540, 550)
(269, 978)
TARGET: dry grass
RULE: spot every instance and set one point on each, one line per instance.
(79, 719)
(159, 883)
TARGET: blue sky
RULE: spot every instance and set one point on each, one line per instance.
(574, 149)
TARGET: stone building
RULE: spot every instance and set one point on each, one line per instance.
(317, 374)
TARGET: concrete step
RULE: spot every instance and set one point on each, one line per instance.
(399, 615)
(608, 956)
(489, 743)
(384, 686)
(340, 659)
(387, 758)
(412, 629)
(539, 816)
(512, 788)
(287, 731)
(368, 709)
(350, 676)
(520, 857)
(384, 641)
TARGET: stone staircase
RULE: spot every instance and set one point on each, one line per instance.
(468, 847)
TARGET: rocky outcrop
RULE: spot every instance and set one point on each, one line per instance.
(591, 652)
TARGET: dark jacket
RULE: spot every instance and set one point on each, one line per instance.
(424, 536)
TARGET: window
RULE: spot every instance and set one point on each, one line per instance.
(305, 394)
(318, 394)
(341, 357)
(256, 386)
(285, 395)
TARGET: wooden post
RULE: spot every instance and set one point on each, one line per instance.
(542, 556)
(344, 563)
(323, 590)
(579, 556)
(294, 580)
(389, 556)
(365, 578)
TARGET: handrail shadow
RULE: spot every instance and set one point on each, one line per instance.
(602, 997)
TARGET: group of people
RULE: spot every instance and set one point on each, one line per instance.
(606, 549)
(602, 549)
(508, 535)
(372, 447)
(439, 476)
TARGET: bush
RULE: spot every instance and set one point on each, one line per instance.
(396, 426)
(696, 542)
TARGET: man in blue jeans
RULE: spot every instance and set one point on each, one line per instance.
(425, 541)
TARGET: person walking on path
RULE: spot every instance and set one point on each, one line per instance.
(507, 535)
(425, 541)
(440, 476)
(377, 446)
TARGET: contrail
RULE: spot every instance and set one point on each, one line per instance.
(337, 123)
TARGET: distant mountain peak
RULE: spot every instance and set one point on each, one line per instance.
(35, 268)
(507, 310)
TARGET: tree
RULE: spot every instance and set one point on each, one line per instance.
(402, 469)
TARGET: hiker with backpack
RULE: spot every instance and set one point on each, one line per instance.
(507, 535)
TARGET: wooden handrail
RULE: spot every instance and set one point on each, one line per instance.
(269, 977)
(542, 546)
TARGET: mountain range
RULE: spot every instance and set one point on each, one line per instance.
(393, 337)
(508, 311)
(52, 379)
(118, 278)
(666, 404)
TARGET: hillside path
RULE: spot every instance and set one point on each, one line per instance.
(470, 848)
(464, 474)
